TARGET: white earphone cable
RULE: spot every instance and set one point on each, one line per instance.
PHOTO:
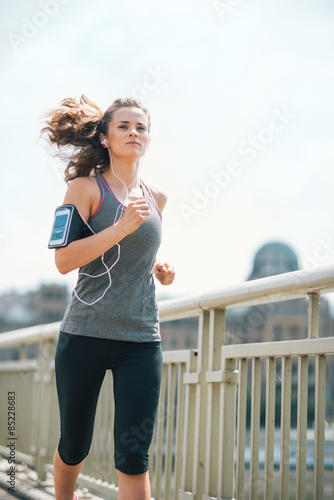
(108, 269)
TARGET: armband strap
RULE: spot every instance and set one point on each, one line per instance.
(66, 228)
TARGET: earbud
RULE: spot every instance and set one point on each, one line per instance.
(104, 142)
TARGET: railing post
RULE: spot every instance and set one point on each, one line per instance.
(193, 474)
(313, 315)
(228, 390)
(210, 415)
(301, 427)
(22, 354)
(285, 428)
(42, 408)
(270, 428)
(241, 429)
(319, 426)
(255, 429)
(214, 377)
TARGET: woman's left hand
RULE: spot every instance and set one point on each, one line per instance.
(164, 273)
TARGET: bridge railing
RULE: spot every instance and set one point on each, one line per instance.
(200, 448)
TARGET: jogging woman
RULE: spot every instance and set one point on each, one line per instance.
(112, 319)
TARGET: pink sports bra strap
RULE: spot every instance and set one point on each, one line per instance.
(149, 192)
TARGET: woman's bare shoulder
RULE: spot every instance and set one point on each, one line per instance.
(82, 192)
(82, 183)
(159, 196)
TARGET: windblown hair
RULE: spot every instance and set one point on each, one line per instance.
(75, 127)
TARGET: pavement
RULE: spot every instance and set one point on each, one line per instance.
(28, 487)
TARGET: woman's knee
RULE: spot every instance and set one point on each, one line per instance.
(60, 461)
(72, 453)
(131, 462)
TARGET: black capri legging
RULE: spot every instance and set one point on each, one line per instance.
(80, 364)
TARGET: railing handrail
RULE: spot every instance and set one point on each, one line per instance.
(273, 288)
(29, 335)
(279, 348)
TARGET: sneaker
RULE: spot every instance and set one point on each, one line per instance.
(76, 496)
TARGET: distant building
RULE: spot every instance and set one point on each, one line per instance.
(49, 303)
(179, 334)
(45, 305)
(273, 258)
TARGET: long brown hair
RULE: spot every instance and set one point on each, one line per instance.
(74, 127)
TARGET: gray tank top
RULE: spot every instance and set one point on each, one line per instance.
(128, 310)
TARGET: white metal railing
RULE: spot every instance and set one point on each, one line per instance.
(200, 448)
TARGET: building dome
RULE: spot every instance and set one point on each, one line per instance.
(273, 258)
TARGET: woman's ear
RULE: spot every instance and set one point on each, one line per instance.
(103, 140)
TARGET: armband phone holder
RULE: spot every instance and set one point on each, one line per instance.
(67, 226)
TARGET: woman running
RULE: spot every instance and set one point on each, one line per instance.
(112, 319)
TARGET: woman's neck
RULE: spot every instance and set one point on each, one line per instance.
(123, 172)
(124, 181)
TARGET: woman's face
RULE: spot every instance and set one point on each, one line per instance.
(128, 134)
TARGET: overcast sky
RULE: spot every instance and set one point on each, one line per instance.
(241, 99)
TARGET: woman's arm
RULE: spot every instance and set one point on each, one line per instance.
(161, 270)
(80, 193)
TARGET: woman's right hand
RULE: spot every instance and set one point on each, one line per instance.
(136, 213)
(81, 192)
